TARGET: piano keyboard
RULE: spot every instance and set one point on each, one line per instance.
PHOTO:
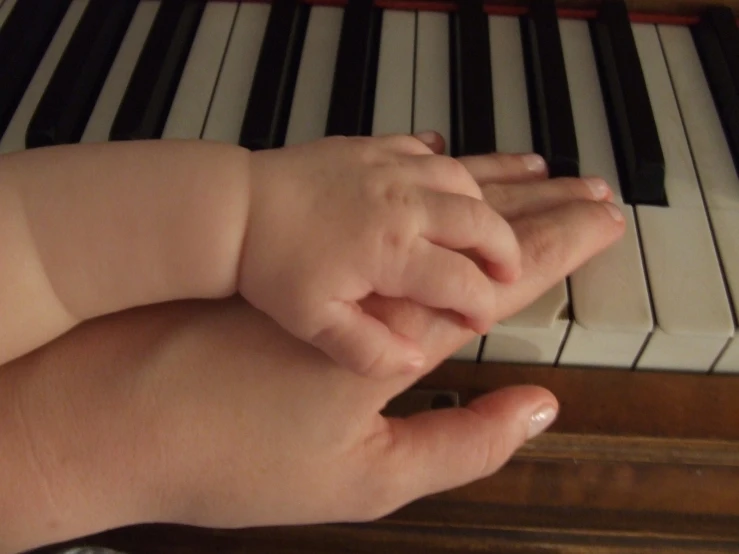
(632, 102)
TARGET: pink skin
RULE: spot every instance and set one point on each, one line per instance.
(210, 413)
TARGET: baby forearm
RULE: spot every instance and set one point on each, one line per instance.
(91, 229)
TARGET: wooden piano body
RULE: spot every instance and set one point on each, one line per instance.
(638, 461)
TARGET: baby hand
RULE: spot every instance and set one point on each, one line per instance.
(333, 221)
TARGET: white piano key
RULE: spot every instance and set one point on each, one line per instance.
(513, 134)
(726, 230)
(111, 95)
(535, 334)
(5, 8)
(312, 96)
(593, 348)
(190, 105)
(529, 345)
(469, 351)
(431, 103)
(681, 183)
(237, 74)
(729, 360)
(713, 162)
(393, 111)
(691, 307)
(15, 135)
(431, 99)
(510, 94)
(609, 294)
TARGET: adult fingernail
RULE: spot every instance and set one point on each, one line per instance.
(426, 137)
(534, 162)
(541, 419)
(614, 211)
(598, 187)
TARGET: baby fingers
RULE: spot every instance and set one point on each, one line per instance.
(440, 269)
(365, 345)
(439, 278)
(458, 222)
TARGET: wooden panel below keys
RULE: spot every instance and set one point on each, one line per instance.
(612, 402)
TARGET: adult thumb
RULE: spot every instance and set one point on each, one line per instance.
(443, 449)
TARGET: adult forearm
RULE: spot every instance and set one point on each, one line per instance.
(65, 471)
(95, 228)
(130, 418)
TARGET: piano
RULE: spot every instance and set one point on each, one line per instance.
(640, 344)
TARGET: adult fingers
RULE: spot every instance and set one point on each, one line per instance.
(467, 175)
(504, 168)
(494, 167)
(516, 200)
(443, 449)
(554, 243)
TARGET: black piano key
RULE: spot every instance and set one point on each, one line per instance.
(471, 81)
(68, 101)
(720, 81)
(352, 103)
(721, 18)
(268, 111)
(24, 38)
(552, 124)
(635, 139)
(148, 99)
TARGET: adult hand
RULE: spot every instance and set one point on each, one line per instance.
(208, 413)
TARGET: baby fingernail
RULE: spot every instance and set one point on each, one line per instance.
(598, 188)
(534, 162)
(614, 211)
(541, 419)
